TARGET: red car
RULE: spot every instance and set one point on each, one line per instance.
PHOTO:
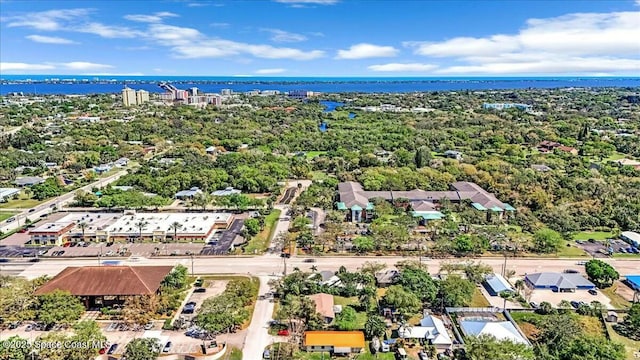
(66, 244)
(283, 332)
(104, 349)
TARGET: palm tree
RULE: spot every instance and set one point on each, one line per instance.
(175, 226)
(519, 285)
(83, 226)
(141, 224)
(314, 268)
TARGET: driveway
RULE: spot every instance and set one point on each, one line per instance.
(554, 298)
(258, 338)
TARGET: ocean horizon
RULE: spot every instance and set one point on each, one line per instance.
(104, 84)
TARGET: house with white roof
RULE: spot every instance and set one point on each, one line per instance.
(431, 329)
(501, 330)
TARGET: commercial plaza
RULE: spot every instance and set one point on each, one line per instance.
(130, 226)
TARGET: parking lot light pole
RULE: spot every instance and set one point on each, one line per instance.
(192, 265)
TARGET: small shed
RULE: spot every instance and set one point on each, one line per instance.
(612, 317)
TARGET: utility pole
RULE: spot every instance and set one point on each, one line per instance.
(192, 265)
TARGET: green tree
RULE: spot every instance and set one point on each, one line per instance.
(252, 226)
(593, 348)
(375, 326)
(142, 349)
(630, 327)
(53, 352)
(14, 352)
(601, 273)
(423, 155)
(59, 307)
(87, 333)
(404, 301)
(364, 244)
(455, 291)
(546, 240)
(488, 347)
(177, 278)
(346, 320)
(419, 282)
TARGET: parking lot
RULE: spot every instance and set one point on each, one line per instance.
(599, 249)
(221, 242)
(554, 298)
(130, 249)
(19, 251)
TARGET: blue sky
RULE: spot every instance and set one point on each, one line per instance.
(321, 37)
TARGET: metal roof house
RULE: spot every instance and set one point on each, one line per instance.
(559, 282)
(29, 181)
(188, 194)
(432, 329)
(501, 330)
(6, 193)
(226, 192)
(495, 284)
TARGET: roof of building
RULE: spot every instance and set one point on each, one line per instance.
(423, 205)
(6, 192)
(107, 280)
(430, 328)
(498, 283)
(428, 215)
(498, 329)
(52, 227)
(29, 180)
(191, 223)
(191, 192)
(324, 304)
(388, 276)
(560, 280)
(634, 280)
(226, 192)
(631, 235)
(540, 167)
(351, 339)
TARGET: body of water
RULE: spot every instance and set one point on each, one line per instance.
(43, 84)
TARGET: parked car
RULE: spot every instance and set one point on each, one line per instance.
(593, 292)
(112, 349)
(11, 219)
(167, 347)
(198, 283)
(575, 304)
(283, 332)
(32, 210)
(149, 326)
(28, 328)
(60, 253)
(570, 271)
(200, 290)
(581, 263)
(309, 260)
(104, 349)
(534, 305)
(266, 354)
(14, 325)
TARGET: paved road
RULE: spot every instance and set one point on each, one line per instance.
(267, 265)
(258, 338)
(58, 202)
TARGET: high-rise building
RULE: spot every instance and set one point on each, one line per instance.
(128, 96)
(226, 92)
(142, 97)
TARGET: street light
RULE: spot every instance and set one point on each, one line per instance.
(191, 264)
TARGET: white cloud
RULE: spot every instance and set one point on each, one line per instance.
(13, 66)
(156, 17)
(284, 36)
(46, 20)
(191, 43)
(108, 31)
(74, 65)
(197, 5)
(398, 67)
(579, 43)
(270, 71)
(363, 51)
(312, 2)
(50, 39)
(83, 65)
(220, 25)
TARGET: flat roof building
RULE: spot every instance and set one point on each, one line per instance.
(29, 181)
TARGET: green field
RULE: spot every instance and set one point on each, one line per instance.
(20, 204)
(596, 235)
(5, 215)
(260, 242)
(570, 251)
(631, 346)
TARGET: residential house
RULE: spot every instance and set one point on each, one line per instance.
(188, 194)
(29, 181)
(548, 146)
(558, 282)
(102, 168)
(387, 277)
(612, 317)
(501, 330)
(568, 149)
(324, 306)
(121, 162)
(452, 154)
(226, 192)
(431, 330)
(334, 342)
(103, 286)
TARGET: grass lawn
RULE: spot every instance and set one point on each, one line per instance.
(303, 355)
(340, 300)
(319, 176)
(20, 204)
(312, 154)
(479, 300)
(260, 242)
(628, 256)
(615, 156)
(631, 346)
(570, 251)
(596, 235)
(5, 215)
(616, 300)
(235, 354)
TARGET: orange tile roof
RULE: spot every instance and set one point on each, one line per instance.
(324, 304)
(107, 280)
(352, 339)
